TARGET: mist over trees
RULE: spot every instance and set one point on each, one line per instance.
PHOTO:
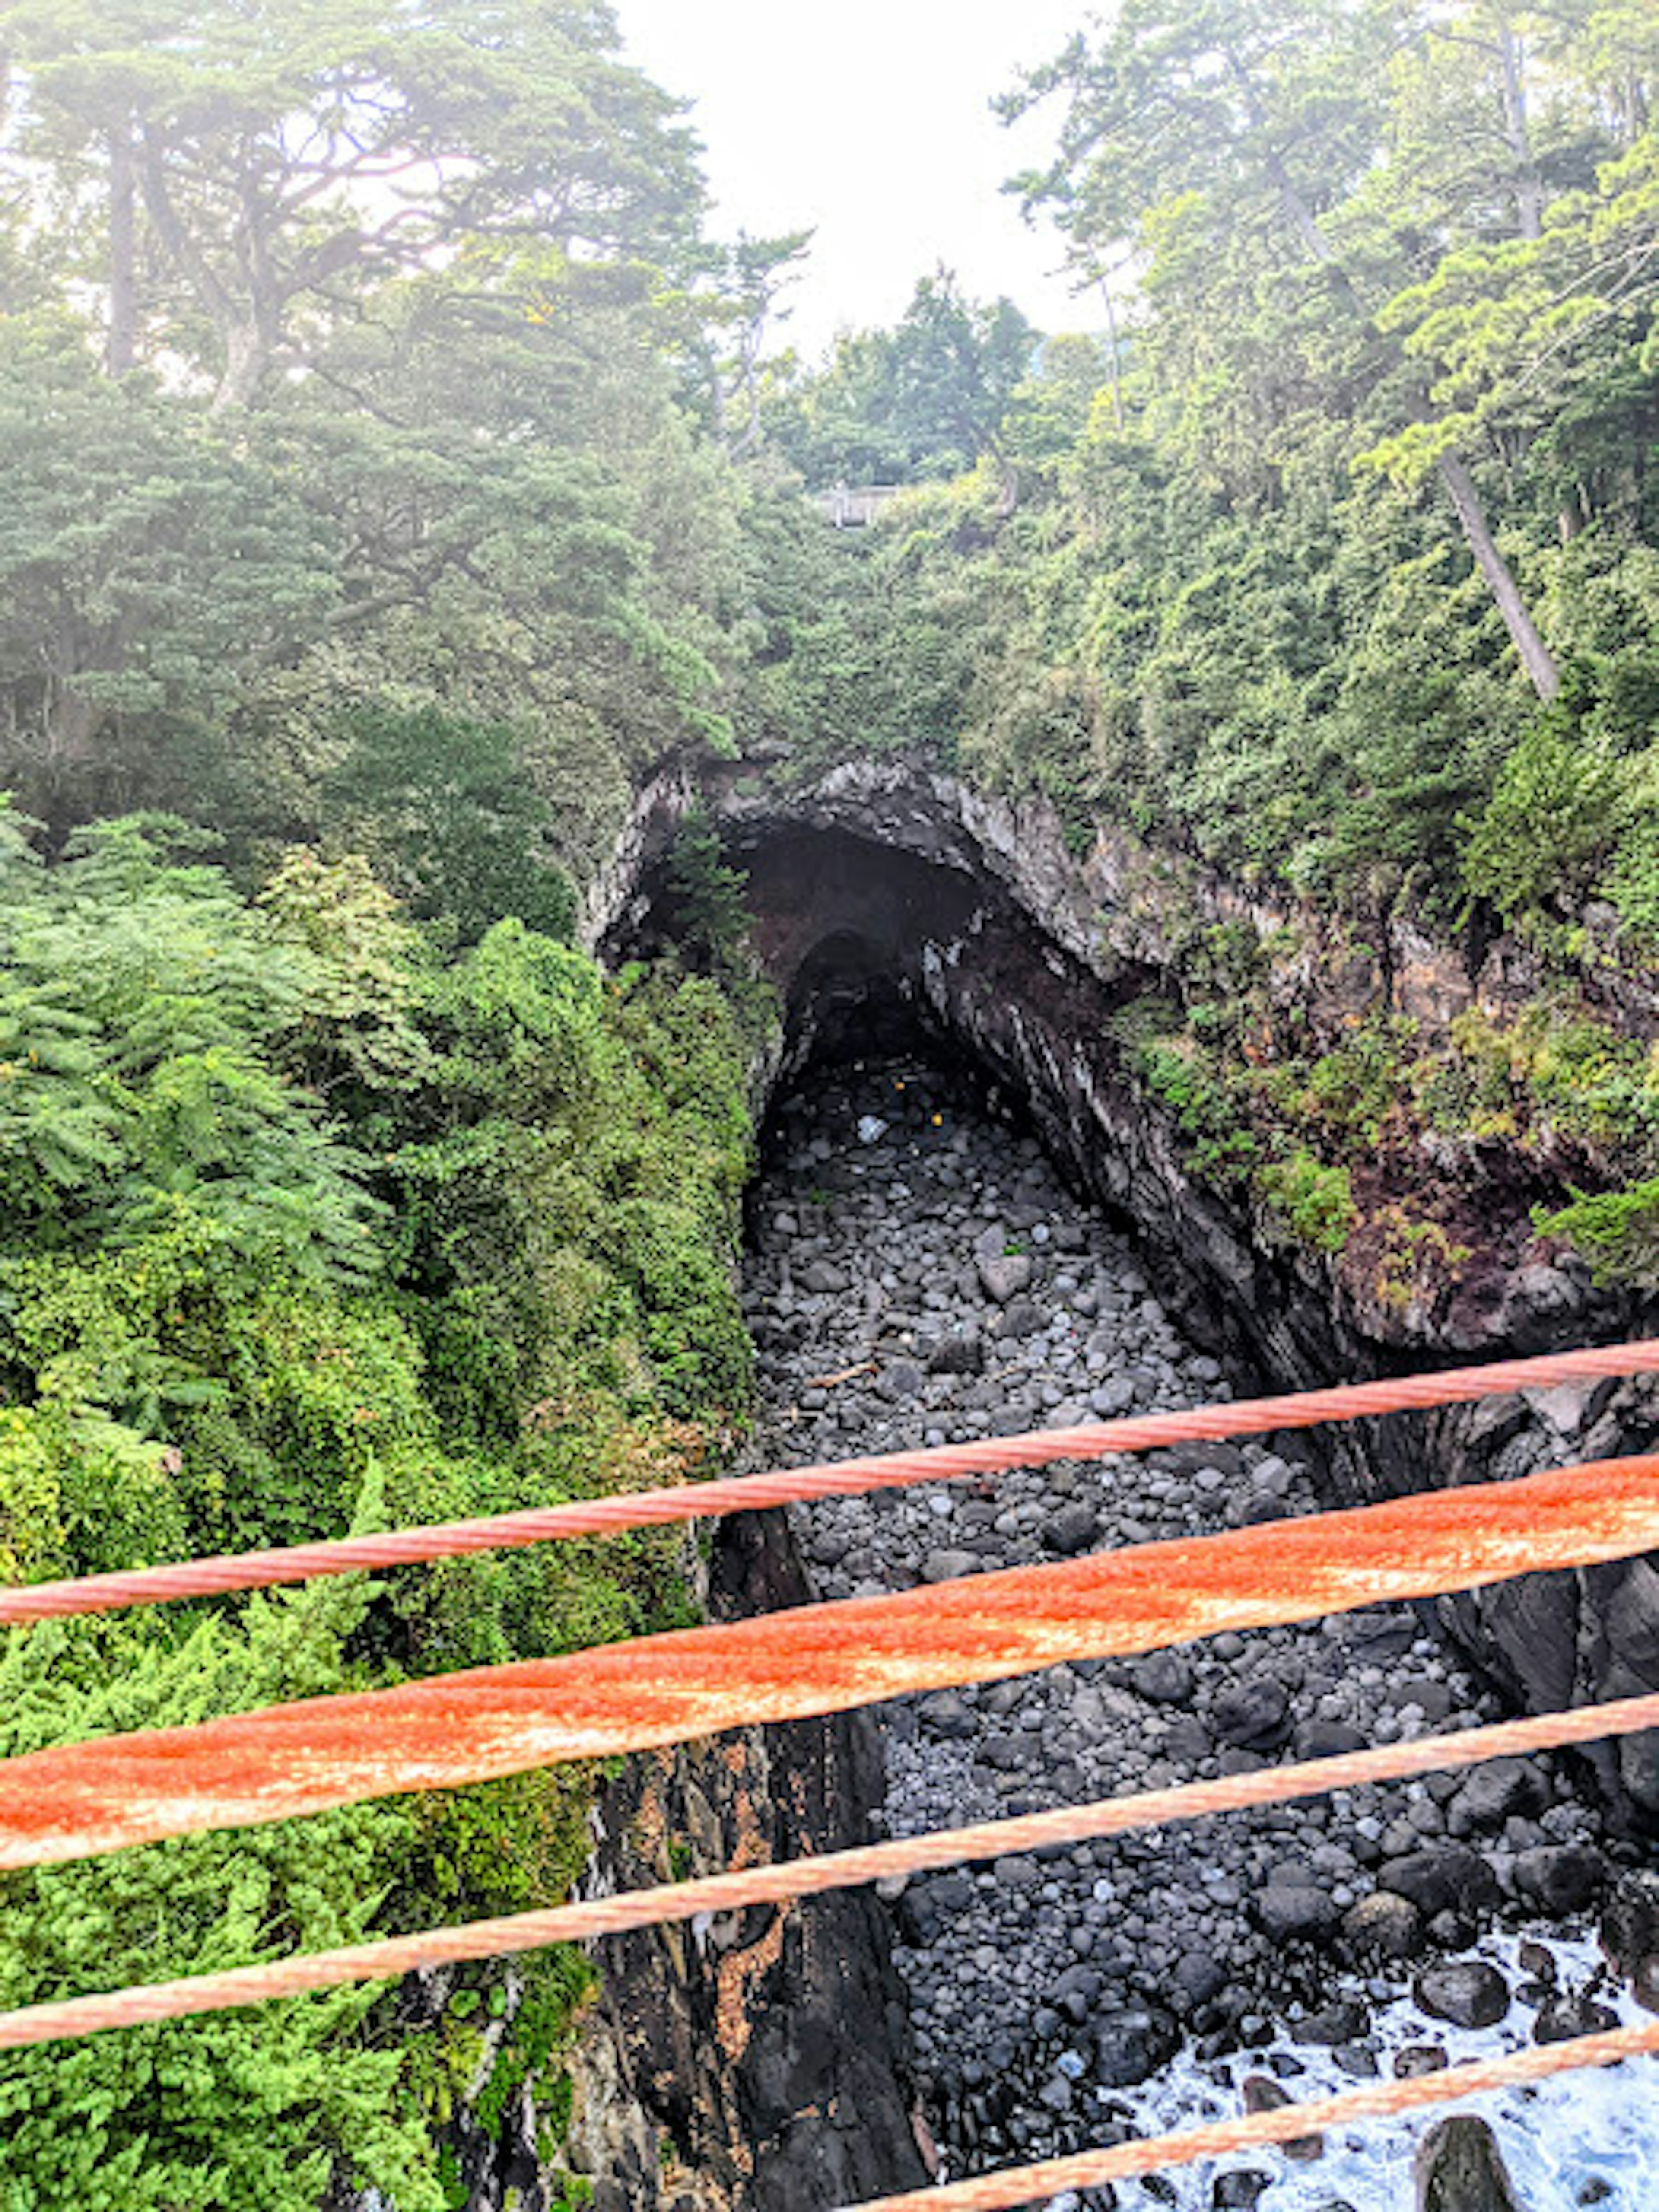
(398, 471)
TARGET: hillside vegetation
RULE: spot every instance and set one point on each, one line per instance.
(1330, 573)
(398, 473)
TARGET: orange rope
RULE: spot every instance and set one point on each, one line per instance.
(1027, 2185)
(77, 1800)
(748, 1493)
(777, 1885)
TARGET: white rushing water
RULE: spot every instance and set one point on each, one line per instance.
(1583, 2139)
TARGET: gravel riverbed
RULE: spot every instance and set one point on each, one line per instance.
(920, 1274)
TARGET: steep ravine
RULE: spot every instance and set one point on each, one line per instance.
(884, 893)
(919, 1271)
(896, 910)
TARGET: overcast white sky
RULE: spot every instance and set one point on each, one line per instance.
(868, 120)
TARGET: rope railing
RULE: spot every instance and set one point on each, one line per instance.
(78, 1800)
(606, 1516)
(661, 1904)
(81, 1799)
(1381, 2101)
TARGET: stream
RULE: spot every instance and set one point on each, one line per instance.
(920, 1274)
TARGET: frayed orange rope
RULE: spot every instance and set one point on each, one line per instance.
(78, 1800)
(1092, 2169)
(605, 1517)
(397, 1955)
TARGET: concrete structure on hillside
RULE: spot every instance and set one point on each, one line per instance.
(854, 506)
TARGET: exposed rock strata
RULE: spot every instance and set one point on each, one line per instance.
(883, 892)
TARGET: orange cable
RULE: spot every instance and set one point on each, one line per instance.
(76, 1801)
(775, 1885)
(1091, 2169)
(606, 1516)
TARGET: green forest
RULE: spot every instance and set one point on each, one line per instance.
(399, 470)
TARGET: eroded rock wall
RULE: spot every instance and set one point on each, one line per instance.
(882, 887)
(754, 2061)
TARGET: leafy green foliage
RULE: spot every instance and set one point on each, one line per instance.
(927, 398)
(460, 827)
(141, 1015)
(270, 2102)
(1315, 1201)
(1549, 822)
(506, 1280)
(1618, 1230)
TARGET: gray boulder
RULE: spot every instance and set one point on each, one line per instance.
(1295, 1913)
(1460, 2169)
(1561, 1878)
(1444, 1878)
(1003, 1275)
(1384, 1926)
(1253, 1714)
(1132, 2044)
(1466, 1991)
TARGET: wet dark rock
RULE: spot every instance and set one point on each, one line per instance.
(1132, 2044)
(1466, 1991)
(1561, 1879)
(1416, 2059)
(1193, 1981)
(1629, 1934)
(1295, 1914)
(1242, 2190)
(1460, 2169)
(1444, 1878)
(822, 1279)
(1343, 2020)
(1251, 1714)
(1565, 2014)
(1263, 2094)
(1495, 1792)
(1384, 1926)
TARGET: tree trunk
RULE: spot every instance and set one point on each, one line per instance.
(1535, 656)
(121, 350)
(1528, 186)
(247, 363)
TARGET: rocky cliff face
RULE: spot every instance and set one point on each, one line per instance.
(722, 2073)
(755, 2060)
(886, 894)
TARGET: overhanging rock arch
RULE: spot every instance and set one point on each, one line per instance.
(886, 896)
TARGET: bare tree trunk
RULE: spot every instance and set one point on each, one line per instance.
(247, 363)
(1528, 185)
(1117, 354)
(121, 350)
(1535, 656)
(248, 330)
